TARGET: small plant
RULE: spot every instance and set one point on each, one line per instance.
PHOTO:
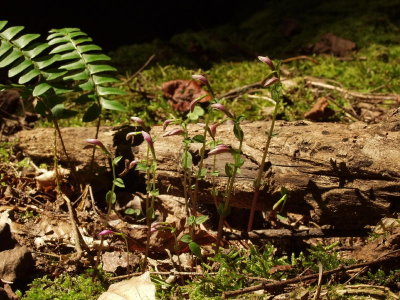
(276, 93)
(65, 287)
(110, 196)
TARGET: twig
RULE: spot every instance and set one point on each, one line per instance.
(138, 71)
(240, 90)
(162, 273)
(301, 57)
(302, 234)
(364, 96)
(277, 286)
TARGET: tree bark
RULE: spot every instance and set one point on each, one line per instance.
(343, 175)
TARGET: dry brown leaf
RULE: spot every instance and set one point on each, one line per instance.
(136, 288)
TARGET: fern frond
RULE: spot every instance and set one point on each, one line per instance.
(19, 52)
(84, 63)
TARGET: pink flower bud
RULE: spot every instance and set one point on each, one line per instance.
(133, 164)
(220, 149)
(176, 131)
(166, 123)
(213, 129)
(137, 120)
(96, 142)
(106, 232)
(271, 81)
(193, 104)
(130, 135)
(200, 78)
(147, 138)
(266, 60)
(219, 106)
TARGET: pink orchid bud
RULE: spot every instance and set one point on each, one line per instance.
(133, 164)
(271, 81)
(106, 232)
(132, 134)
(176, 131)
(137, 120)
(219, 106)
(200, 78)
(266, 60)
(96, 142)
(147, 138)
(154, 227)
(220, 149)
(213, 129)
(166, 123)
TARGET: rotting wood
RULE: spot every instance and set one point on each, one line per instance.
(346, 176)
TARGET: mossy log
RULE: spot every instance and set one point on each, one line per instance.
(343, 175)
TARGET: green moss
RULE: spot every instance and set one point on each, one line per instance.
(65, 287)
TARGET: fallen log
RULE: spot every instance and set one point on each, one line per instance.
(343, 175)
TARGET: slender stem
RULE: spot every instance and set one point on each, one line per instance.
(225, 207)
(257, 183)
(109, 203)
(94, 148)
(201, 163)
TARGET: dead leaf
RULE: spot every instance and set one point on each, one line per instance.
(47, 180)
(320, 111)
(181, 92)
(330, 43)
(136, 288)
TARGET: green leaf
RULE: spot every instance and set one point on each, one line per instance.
(82, 40)
(10, 58)
(141, 166)
(102, 79)
(238, 131)
(191, 220)
(87, 48)
(58, 40)
(62, 48)
(186, 238)
(103, 91)
(45, 63)
(87, 86)
(76, 65)
(282, 201)
(92, 113)
(2, 24)
(4, 48)
(154, 193)
(112, 105)
(60, 91)
(187, 160)
(70, 55)
(11, 32)
(94, 69)
(84, 75)
(119, 182)
(51, 75)
(40, 89)
(89, 58)
(111, 197)
(36, 51)
(60, 112)
(195, 248)
(76, 34)
(132, 211)
(19, 68)
(198, 139)
(40, 108)
(28, 76)
(229, 168)
(116, 160)
(203, 173)
(24, 40)
(201, 219)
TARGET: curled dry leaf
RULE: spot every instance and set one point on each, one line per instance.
(47, 180)
(136, 288)
(180, 93)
